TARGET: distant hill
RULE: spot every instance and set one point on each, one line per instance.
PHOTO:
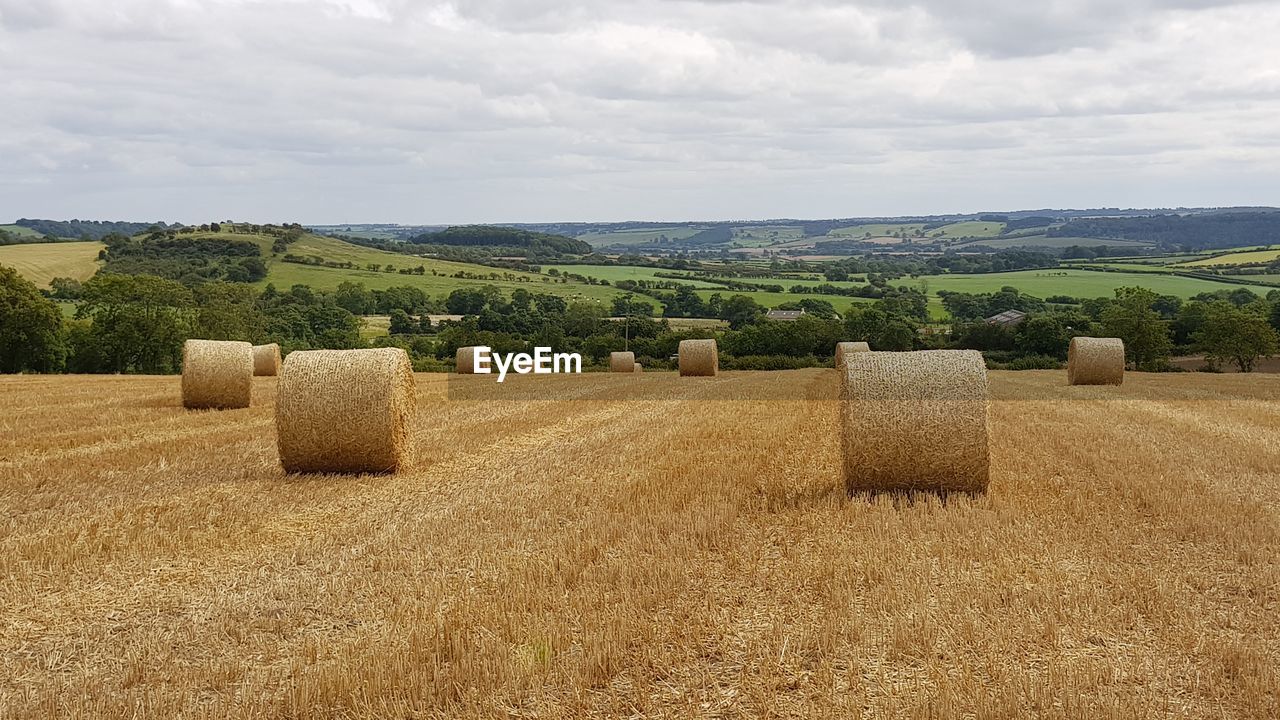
(86, 229)
(1204, 231)
(497, 236)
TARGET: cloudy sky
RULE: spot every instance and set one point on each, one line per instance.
(457, 111)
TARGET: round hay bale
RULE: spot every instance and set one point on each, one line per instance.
(846, 348)
(216, 374)
(345, 410)
(637, 368)
(698, 358)
(915, 421)
(622, 362)
(464, 361)
(1095, 361)
(266, 359)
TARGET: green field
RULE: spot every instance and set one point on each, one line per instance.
(1235, 258)
(20, 231)
(284, 275)
(1053, 242)
(614, 273)
(972, 228)
(772, 299)
(875, 230)
(42, 262)
(639, 236)
(766, 235)
(1075, 283)
(1124, 266)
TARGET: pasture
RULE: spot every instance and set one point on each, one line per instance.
(1076, 283)
(1052, 243)
(42, 262)
(20, 231)
(639, 236)
(1234, 258)
(609, 546)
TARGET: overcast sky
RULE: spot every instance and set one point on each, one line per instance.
(327, 111)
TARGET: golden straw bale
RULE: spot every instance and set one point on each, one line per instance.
(698, 358)
(464, 361)
(915, 421)
(637, 368)
(216, 374)
(622, 362)
(845, 348)
(345, 410)
(1095, 361)
(266, 359)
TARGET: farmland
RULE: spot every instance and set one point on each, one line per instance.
(1075, 283)
(1235, 258)
(1053, 243)
(285, 275)
(639, 236)
(20, 231)
(42, 262)
(641, 546)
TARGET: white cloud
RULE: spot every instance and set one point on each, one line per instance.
(509, 110)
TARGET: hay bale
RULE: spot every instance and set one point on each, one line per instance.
(345, 410)
(266, 359)
(846, 348)
(464, 361)
(637, 368)
(622, 362)
(915, 421)
(698, 358)
(1095, 361)
(216, 374)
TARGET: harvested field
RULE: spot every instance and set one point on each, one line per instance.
(640, 546)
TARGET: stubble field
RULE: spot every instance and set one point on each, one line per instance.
(640, 546)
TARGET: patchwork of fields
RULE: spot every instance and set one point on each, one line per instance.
(641, 545)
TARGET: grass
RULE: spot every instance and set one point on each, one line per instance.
(876, 230)
(766, 235)
(641, 547)
(1234, 258)
(285, 275)
(614, 273)
(42, 262)
(1125, 266)
(972, 228)
(20, 231)
(1042, 241)
(639, 236)
(1076, 283)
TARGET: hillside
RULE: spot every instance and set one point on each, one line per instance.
(647, 546)
(42, 262)
(440, 277)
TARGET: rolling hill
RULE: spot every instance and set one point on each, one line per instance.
(42, 262)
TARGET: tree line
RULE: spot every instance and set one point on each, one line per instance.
(136, 323)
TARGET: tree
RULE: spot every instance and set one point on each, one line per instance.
(30, 327)
(882, 330)
(139, 322)
(401, 323)
(466, 301)
(64, 288)
(1042, 335)
(227, 311)
(1232, 334)
(740, 311)
(1130, 318)
(355, 299)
